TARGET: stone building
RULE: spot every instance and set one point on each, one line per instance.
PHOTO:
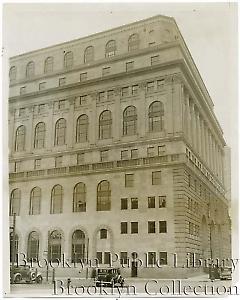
(115, 148)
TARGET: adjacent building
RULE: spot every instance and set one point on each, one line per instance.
(114, 147)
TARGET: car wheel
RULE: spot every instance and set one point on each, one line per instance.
(18, 278)
(39, 279)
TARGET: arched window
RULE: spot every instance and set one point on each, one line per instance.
(103, 196)
(82, 129)
(48, 65)
(54, 246)
(56, 199)
(68, 60)
(15, 202)
(60, 132)
(39, 137)
(105, 125)
(133, 42)
(14, 241)
(79, 197)
(110, 48)
(78, 245)
(89, 54)
(35, 201)
(20, 138)
(156, 116)
(12, 73)
(130, 121)
(30, 69)
(33, 246)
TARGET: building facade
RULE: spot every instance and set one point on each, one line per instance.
(115, 148)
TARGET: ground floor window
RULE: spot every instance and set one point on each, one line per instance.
(33, 245)
(78, 245)
(14, 241)
(54, 246)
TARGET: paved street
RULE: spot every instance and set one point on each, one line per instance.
(197, 286)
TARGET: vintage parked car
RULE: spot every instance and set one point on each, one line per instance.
(108, 277)
(225, 273)
(26, 274)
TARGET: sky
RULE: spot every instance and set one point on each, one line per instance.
(209, 29)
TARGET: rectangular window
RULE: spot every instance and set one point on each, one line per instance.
(106, 258)
(150, 86)
(134, 227)
(124, 228)
(103, 234)
(129, 180)
(124, 203)
(41, 108)
(161, 150)
(135, 89)
(154, 60)
(42, 86)
(80, 158)
(106, 71)
(162, 226)
(99, 257)
(110, 94)
(37, 163)
(17, 166)
(151, 258)
(151, 227)
(22, 112)
(124, 154)
(163, 258)
(101, 96)
(129, 66)
(150, 151)
(83, 76)
(156, 178)
(134, 153)
(134, 203)
(80, 100)
(151, 44)
(58, 161)
(104, 155)
(123, 257)
(162, 201)
(125, 91)
(151, 202)
(195, 185)
(61, 104)
(22, 90)
(160, 84)
(189, 180)
(62, 81)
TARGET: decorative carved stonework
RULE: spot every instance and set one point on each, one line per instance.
(50, 104)
(142, 85)
(93, 95)
(117, 91)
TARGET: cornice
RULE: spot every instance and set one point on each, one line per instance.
(98, 35)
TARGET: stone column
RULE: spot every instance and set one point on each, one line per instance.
(11, 132)
(177, 89)
(93, 121)
(188, 120)
(30, 130)
(169, 107)
(202, 138)
(116, 122)
(50, 128)
(193, 124)
(71, 124)
(142, 112)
